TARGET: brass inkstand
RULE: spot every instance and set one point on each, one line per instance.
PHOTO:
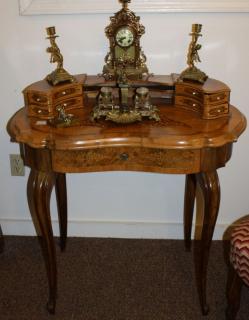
(122, 113)
(192, 73)
(59, 75)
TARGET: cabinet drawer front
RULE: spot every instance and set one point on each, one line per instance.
(190, 104)
(37, 99)
(128, 159)
(221, 97)
(37, 111)
(67, 92)
(72, 103)
(189, 92)
(216, 111)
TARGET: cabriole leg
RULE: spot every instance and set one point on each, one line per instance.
(189, 201)
(61, 197)
(209, 183)
(40, 185)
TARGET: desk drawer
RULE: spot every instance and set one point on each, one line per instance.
(217, 98)
(39, 112)
(213, 112)
(72, 103)
(191, 92)
(67, 93)
(127, 159)
(36, 98)
(189, 104)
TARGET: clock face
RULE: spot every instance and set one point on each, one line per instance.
(124, 37)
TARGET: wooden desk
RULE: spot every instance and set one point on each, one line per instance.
(181, 143)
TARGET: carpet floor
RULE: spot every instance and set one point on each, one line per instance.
(112, 279)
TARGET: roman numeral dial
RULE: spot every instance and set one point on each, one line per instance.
(124, 37)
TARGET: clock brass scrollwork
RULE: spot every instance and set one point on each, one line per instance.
(192, 73)
(125, 55)
(59, 75)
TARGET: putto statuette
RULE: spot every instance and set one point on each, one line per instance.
(192, 73)
(59, 75)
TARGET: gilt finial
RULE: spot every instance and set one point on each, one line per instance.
(125, 3)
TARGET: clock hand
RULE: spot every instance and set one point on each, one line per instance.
(122, 39)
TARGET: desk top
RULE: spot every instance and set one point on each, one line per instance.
(177, 129)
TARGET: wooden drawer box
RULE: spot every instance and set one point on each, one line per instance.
(210, 100)
(43, 100)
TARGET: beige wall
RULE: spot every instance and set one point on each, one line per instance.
(122, 204)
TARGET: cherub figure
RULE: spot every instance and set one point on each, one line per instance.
(193, 53)
(56, 55)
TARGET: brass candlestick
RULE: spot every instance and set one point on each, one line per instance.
(59, 75)
(192, 73)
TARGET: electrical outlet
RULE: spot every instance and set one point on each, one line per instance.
(16, 165)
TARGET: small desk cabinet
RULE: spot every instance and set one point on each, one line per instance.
(190, 140)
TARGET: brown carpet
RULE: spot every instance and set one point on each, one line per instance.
(112, 279)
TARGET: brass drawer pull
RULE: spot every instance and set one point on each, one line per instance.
(124, 156)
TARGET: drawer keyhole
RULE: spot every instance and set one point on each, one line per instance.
(124, 156)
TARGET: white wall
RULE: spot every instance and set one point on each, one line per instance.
(121, 204)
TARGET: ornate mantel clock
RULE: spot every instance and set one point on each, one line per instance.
(125, 58)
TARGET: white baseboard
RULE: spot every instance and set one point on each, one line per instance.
(109, 229)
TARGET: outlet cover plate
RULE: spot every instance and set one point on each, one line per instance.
(17, 165)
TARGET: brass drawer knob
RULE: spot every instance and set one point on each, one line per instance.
(124, 156)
